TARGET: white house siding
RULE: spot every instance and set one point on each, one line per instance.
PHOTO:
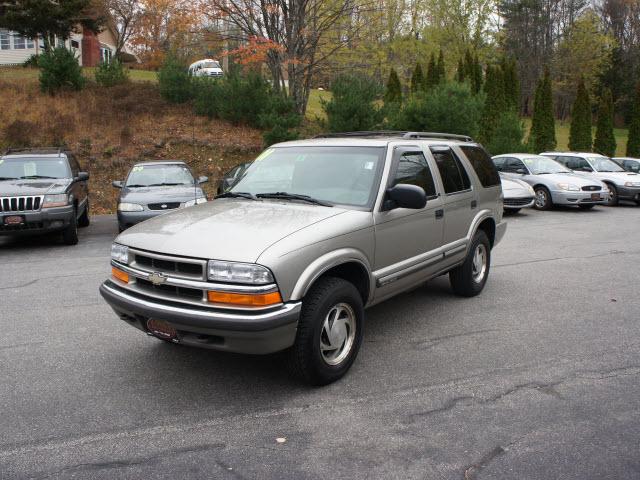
(9, 54)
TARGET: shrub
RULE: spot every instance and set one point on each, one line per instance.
(278, 134)
(449, 108)
(393, 93)
(508, 135)
(174, 81)
(20, 133)
(245, 98)
(280, 119)
(207, 96)
(111, 73)
(354, 104)
(32, 61)
(60, 70)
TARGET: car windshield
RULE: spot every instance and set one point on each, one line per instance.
(210, 65)
(603, 164)
(159, 175)
(33, 168)
(337, 175)
(543, 165)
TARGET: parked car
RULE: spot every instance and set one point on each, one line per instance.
(43, 191)
(553, 183)
(314, 232)
(517, 194)
(230, 178)
(206, 68)
(154, 188)
(622, 185)
(628, 163)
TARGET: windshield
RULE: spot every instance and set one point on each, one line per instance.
(210, 65)
(337, 175)
(542, 165)
(159, 175)
(603, 164)
(33, 168)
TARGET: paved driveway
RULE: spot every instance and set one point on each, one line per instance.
(536, 378)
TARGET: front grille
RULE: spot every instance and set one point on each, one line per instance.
(179, 267)
(591, 188)
(183, 292)
(164, 206)
(517, 202)
(20, 204)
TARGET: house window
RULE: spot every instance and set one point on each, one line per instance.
(106, 55)
(5, 43)
(75, 44)
(19, 42)
(30, 43)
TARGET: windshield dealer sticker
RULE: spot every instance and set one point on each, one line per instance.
(138, 168)
(264, 154)
(368, 166)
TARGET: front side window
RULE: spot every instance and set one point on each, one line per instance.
(482, 164)
(603, 164)
(159, 176)
(544, 165)
(413, 169)
(339, 175)
(33, 168)
(515, 165)
(454, 176)
(632, 165)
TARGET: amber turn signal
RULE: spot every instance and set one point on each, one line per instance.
(245, 299)
(119, 275)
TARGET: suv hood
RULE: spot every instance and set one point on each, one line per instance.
(225, 229)
(17, 188)
(145, 195)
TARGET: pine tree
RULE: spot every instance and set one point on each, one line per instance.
(605, 142)
(494, 106)
(543, 131)
(476, 79)
(417, 79)
(580, 138)
(633, 142)
(393, 93)
(460, 73)
(511, 83)
(469, 66)
(440, 68)
(432, 73)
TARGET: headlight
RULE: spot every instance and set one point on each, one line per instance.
(196, 201)
(130, 207)
(58, 200)
(531, 190)
(234, 272)
(568, 186)
(632, 184)
(119, 253)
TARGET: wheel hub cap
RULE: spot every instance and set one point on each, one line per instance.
(337, 334)
(541, 198)
(479, 265)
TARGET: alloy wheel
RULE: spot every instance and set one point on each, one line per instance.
(338, 334)
(479, 264)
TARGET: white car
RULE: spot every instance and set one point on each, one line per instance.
(206, 68)
(517, 194)
(622, 185)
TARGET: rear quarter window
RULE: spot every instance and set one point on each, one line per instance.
(482, 164)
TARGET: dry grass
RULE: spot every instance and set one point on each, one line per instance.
(112, 128)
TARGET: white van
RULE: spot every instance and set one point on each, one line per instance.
(206, 68)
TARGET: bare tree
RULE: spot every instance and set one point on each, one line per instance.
(125, 15)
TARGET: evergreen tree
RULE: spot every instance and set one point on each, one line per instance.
(605, 142)
(460, 73)
(494, 105)
(393, 93)
(543, 130)
(417, 79)
(511, 83)
(633, 142)
(580, 138)
(432, 73)
(440, 68)
(476, 75)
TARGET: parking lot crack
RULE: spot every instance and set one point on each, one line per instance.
(432, 342)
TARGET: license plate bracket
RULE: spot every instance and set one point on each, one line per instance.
(161, 329)
(13, 220)
(595, 196)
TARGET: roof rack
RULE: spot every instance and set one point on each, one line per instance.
(43, 150)
(397, 133)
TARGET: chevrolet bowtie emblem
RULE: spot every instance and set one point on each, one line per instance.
(164, 205)
(157, 278)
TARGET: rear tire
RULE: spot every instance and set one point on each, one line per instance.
(84, 219)
(586, 207)
(70, 234)
(469, 279)
(613, 195)
(511, 211)
(543, 199)
(330, 332)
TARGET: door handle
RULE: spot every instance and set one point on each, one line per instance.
(439, 213)
(474, 204)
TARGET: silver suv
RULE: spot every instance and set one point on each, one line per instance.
(313, 233)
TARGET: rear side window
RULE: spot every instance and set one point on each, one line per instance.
(414, 170)
(454, 176)
(482, 164)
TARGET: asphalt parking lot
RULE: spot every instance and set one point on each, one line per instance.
(536, 378)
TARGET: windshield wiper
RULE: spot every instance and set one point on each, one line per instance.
(247, 195)
(165, 184)
(135, 185)
(294, 196)
(8, 178)
(28, 177)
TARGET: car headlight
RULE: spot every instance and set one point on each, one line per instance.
(632, 184)
(120, 253)
(568, 186)
(56, 200)
(234, 272)
(130, 207)
(531, 190)
(196, 201)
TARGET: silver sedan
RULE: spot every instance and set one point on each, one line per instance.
(553, 183)
(517, 194)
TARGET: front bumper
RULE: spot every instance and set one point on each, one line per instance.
(129, 219)
(38, 222)
(501, 229)
(628, 193)
(564, 197)
(234, 331)
(516, 203)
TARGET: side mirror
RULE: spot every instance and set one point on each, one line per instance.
(117, 183)
(405, 196)
(83, 176)
(203, 179)
(521, 171)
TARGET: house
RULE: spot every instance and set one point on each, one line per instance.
(89, 47)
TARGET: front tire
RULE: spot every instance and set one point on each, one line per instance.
(84, 219)
(613, 195)
(543, 198)
(70, 234)
(469, 279)
(330, 332)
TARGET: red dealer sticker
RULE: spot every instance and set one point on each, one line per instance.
(13, 220)
(161, 329)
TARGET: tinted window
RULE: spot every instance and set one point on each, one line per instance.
(499, 163)
(482, 164)
(513, 165)
(575, 163)
(414, 170)
(631, 165)
(454, 176)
